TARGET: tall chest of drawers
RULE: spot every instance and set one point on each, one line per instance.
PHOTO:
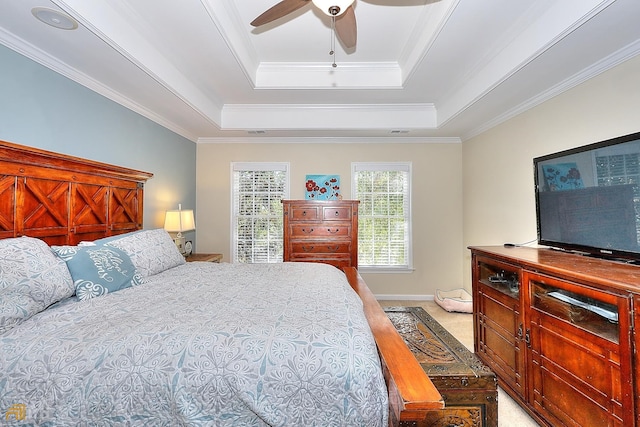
(321, 231)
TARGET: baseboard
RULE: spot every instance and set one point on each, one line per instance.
(387, 297)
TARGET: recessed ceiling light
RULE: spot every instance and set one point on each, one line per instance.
(54, 18)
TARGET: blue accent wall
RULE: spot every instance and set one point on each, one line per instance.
(43, 109)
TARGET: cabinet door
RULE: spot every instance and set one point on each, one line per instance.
(578, 339)
(498, 322)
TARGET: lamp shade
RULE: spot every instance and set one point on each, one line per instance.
(333, 7)
(179, 221)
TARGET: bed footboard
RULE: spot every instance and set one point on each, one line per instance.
(411, 393)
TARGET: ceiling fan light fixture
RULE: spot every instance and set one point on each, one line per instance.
(333, 7)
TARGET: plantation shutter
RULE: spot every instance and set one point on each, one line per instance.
(384, 215)
(258, 189)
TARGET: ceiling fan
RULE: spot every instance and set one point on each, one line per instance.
(341, 12)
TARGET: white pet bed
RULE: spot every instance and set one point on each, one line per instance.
(457, 300)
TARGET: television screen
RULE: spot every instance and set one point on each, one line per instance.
(588, 199)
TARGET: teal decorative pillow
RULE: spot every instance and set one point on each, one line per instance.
(98, 270)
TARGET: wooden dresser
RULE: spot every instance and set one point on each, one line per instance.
(560, 331)
(321, 231)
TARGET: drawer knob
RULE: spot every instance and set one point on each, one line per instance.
(304, 213)
(337, 213)
(307, 230)
(307, 248)
(333, 248)
(334, 231)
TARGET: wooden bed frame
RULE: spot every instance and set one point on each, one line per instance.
(63, 199)
(412, 395)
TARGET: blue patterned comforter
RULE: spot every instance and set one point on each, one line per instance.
(201, 344)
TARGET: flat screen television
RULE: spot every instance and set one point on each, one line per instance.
(588, 198)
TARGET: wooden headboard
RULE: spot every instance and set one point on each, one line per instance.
(64, 199)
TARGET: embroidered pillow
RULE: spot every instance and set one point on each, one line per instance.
(31, 279)
(98, 270)
(151, 251)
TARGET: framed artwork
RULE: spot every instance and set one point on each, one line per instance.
(562, 176)
(322, 187)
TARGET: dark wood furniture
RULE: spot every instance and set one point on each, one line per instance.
(468, 387)
(412, 395)
(321, 231)
(204, 257)
(559, 331)
(63, 199)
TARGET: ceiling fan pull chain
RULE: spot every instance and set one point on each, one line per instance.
(333, 41)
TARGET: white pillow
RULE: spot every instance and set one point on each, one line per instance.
(31, 279)
(151, 251)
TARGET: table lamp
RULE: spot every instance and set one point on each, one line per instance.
(179, 221)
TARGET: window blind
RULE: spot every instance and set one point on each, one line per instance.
(384, 215)
(258, 189)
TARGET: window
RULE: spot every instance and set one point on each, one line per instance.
(257, 211)
(384, 215)
(620, 168)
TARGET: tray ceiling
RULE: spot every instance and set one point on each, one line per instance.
(422, 70)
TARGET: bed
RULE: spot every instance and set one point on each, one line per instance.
(103, 323)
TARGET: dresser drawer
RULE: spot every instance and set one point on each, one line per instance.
(304, 231)
(339, 261)
(336, 213)
(305, 213)
(320, 247)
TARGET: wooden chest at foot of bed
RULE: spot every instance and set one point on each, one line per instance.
(468, 386)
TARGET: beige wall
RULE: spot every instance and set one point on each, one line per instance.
(476, 193)
(499, 203)
(436, 201)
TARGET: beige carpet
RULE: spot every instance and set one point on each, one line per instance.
(460, 325)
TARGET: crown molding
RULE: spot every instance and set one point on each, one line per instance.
(29, 51)
(329, 116)
(431, 23)
(224, 16)
(331, 140)
(622, 55)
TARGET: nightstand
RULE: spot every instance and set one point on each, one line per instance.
(204, 257)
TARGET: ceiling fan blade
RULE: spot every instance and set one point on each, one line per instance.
(281, 9)
(346, 27)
